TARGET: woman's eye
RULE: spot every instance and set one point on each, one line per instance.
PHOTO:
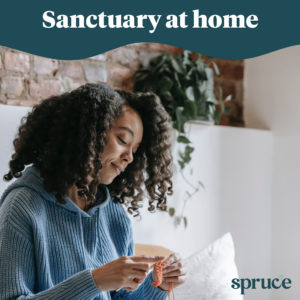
(122, 141)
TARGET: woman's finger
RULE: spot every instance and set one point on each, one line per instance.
(134, 278)
(146, 258)
(175, 266)
(140, 266)
(136, 274)
(176, 279)
(173, 258)
(178, 272)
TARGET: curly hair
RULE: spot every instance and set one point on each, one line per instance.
(64, 136)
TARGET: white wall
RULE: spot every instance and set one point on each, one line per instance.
(272, 101)
(237, 175)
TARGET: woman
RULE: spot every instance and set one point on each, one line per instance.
(63, 232)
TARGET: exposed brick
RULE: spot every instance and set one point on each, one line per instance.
(72, 69)
(146, 56)
(44, 89)
(95, 73)
(17, 102)
(17, 62)
(228, 88)
(157, 47)
(65, 84)
(121, 77)
(140, 45)
(46, 66)
(194, 55)
(166, 48)
(125, 56)
(231, 61)
(172, 49)
(231, 70)
(100, 57)
(12, 85)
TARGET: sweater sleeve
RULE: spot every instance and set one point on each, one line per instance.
(18, 274)
(145, 291)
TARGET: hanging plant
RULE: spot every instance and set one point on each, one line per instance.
(187, 93)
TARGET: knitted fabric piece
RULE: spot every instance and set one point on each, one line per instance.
(158, 268)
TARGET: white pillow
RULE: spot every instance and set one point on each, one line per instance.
(210, 272)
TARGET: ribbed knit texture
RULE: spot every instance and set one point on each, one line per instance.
(48, 252)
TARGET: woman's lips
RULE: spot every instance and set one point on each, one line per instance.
(117, 169)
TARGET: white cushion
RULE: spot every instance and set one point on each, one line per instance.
(210, 272)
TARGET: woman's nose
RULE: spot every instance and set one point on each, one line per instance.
(128, 156)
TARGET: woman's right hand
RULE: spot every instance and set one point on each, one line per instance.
(127, 272)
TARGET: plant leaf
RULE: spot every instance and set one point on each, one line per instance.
(212, 99)
(177, 66)
(216, 67)
(181, 163)
(189, 149)
(178, 220)
(197, 93)
(193, 93)
(201, 184)
(180, 93)
(217, 117)
(162, 61)
(190, 93)
(228, 110)
(180, 118)
(228, 98)
(165, 84)
(185, 222)
(168, 96)
(175, 125)
(171, 211)
(183, 139)
(222, 107)
(181, 155)
(190, 109)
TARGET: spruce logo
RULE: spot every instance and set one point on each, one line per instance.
(246, 283)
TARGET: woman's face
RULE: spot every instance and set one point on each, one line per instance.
(122, 142)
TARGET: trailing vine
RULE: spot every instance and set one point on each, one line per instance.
(187, 93)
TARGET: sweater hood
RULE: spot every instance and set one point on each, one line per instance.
(31, 179)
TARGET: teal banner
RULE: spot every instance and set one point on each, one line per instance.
(225, 29)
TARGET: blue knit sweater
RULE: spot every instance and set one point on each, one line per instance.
(48, 252)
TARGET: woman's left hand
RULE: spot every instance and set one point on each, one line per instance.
(176, 272)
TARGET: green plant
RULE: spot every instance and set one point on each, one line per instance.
(187, 94)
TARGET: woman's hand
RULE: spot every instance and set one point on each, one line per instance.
(176, 272)
(126, 271)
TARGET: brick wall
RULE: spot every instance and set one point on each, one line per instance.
(25, 79)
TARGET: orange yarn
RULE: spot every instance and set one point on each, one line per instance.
(158, 268)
